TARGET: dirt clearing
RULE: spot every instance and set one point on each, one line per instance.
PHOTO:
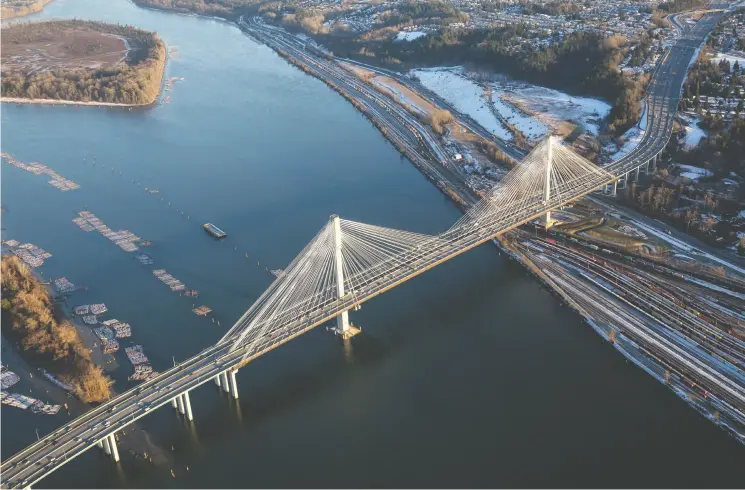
(67, 49)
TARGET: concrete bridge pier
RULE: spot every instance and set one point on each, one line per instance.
(636, 178)
(113, 448)
(180, 401)
(106, 447)
(217, 380)
(99, 444)
(233, 383)
(615, 188)
(187, 405)
(173, 403)
(225, 385)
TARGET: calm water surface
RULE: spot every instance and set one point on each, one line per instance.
(471, 375)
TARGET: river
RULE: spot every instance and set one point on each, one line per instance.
(471, 375)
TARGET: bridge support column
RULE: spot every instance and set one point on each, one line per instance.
(173, 403)
(187, 404)
(615, 187)
(225, 385)
(180, 400)
(114, 449)
(217, 380)
(99, 444)
(233, 384)
(106, 447)
(636, 178)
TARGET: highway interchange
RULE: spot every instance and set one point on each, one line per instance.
(423, 148)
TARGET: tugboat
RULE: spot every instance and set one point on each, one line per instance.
(214, 230)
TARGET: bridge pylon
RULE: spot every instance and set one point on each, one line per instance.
(343, 328)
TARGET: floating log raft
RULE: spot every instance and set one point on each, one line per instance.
(169, 280)
(99, 309)
(8, 378)
(37, 168)
(124, 239)
(29, 253)
(136, 355)
(202, 310)
(27, 403)
(82, 310)
(121, 330)
(90, 319)
(63, 285)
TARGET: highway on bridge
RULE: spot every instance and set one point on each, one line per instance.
(56, 449)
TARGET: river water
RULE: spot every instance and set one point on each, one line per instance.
(470, 375)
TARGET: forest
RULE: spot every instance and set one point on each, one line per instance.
(584, 63)
(28, 316)
(135, 81)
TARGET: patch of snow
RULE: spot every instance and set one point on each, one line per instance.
(731, 58)
(400, 96)
(693, 133)
(557, 105)
(631, 138)
(529, 126)
(465, 95)
(409, 36)
(693, 173)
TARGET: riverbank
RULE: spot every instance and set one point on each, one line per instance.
(20, 100)
(11, 12)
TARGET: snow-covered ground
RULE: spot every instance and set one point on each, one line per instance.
(731, 58)
(692, 172)
(631, 138)
(551, 107)
(400, 96)
(409, 35)
(693, 133)
(544, 108)
(529, 126)
(465, 95)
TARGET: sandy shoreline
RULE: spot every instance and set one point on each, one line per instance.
(20, 100)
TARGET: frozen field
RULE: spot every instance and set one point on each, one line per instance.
(533, 110)
(553, 106)
(465, 95)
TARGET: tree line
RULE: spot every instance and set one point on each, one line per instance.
(29, 316)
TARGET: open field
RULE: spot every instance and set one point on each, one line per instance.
(68, 49)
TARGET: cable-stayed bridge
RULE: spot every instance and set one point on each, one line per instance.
(344, 265)
(348, 263)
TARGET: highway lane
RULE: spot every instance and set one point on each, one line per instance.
(54, 450)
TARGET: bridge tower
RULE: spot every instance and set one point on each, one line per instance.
(343, 328)
(547, 183)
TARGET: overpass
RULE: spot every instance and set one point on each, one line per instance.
(348, 263)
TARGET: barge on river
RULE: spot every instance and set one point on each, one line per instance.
(214, 230)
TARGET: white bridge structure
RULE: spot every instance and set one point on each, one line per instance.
(344, 265)
(348, 263)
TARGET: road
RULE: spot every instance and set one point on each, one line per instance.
(423, 148)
